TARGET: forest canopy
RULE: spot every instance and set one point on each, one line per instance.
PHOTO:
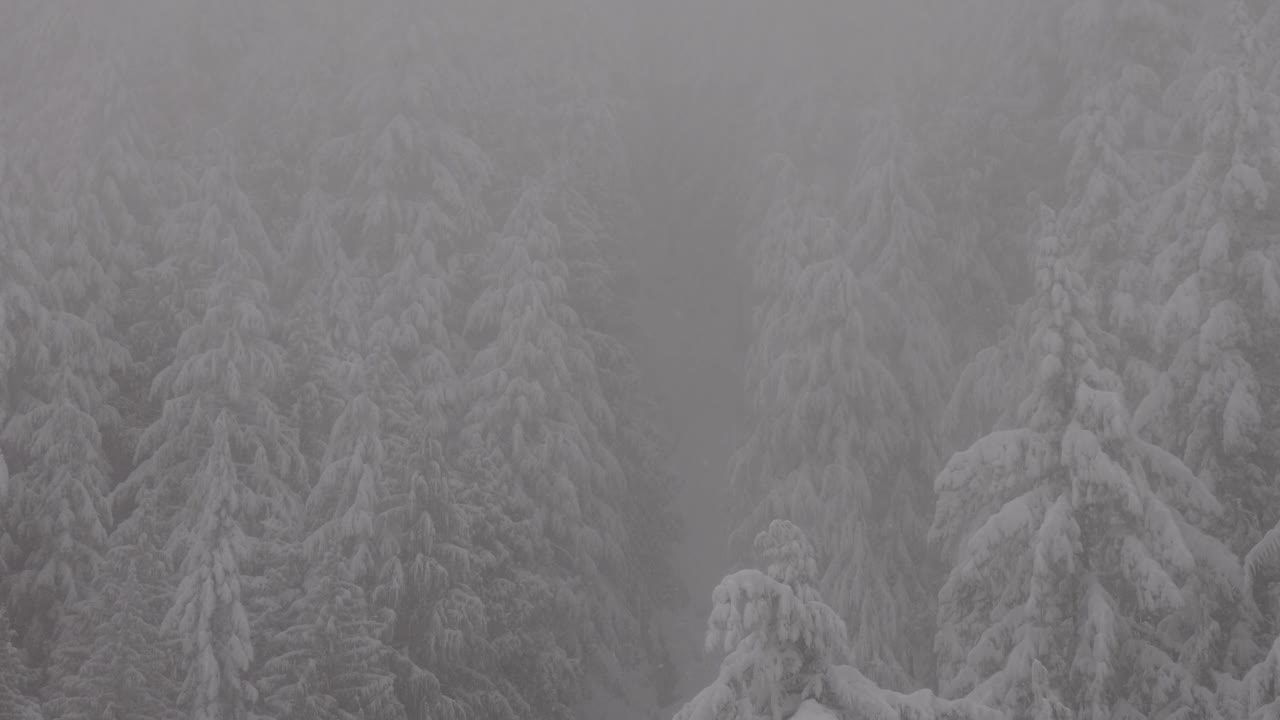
(369, 360)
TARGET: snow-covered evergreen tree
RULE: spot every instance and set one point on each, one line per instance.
(219, 467)
(400, 140)
(896, 247)
(114, 658)
(398, 195)
(57, 512)
(329, 658)
(1105, 204)
(57, 393)
(1069, 536)
(831, 421)
(350, 492)
(785, 649)
(226, 359)
(535, 427)
(779, 636)
(1216, 271)
(208, 612)
(329, 661)
(1106, 195)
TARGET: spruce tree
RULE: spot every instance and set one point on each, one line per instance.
(1069, 531)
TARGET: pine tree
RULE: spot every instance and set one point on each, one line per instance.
(785, 649)
(226, 359)
(1216, 273)
(219, 468)
(350, 492)
(58, 513)
(208, 612)
(1105, 202)
(538, 414)
(114, 658)
(830, 421)
(331, 628)
(1073, 533)
(385, 258)
(400, 139)
(329, 662)
(896, 248)
(1106, 194)
(779, 635)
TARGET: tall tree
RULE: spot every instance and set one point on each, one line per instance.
(328, 662)
(114, 659)
(538, 414)
(785, 649)
(829, 419)
(208, 611)
(218, 468)
(1070, 531)
(329, 658)
(58, 392)
(1216, 272)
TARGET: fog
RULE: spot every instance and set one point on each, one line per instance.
(702, 359)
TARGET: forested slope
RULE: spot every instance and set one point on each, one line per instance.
(382, 360)
(1048, 254)
(316, 397)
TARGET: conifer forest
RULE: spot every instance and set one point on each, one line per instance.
(639, 360)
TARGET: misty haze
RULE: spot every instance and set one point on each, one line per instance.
(639, 360)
